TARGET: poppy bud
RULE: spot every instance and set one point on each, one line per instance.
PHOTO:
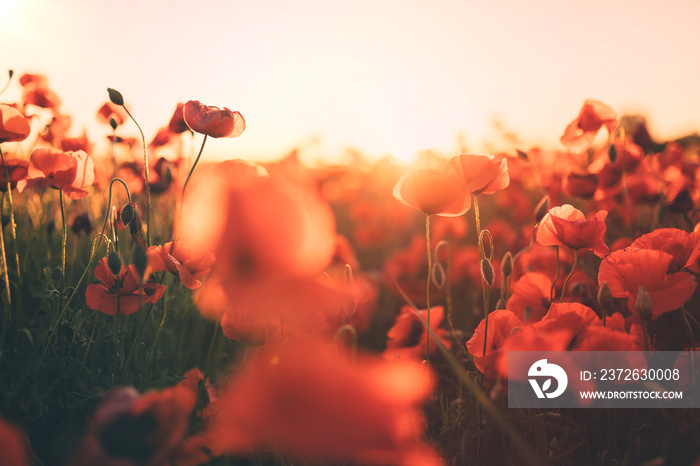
(643, 303)
(507, 264)
(127, 214)
(542, 209)
(113, 123)
(487, 272)
(612, 154)
(115, 96)
(114, 262)
(605, 297)
(140, 259)
(11, 73)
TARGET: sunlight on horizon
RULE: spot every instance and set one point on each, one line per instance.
(382, 77)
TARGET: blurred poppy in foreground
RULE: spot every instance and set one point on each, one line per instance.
(17, 169)
(213, 121)
(308, 401)
(568, 226)
(71, 172)
(150, 429)
(103, 297)
(433, 192)
(580, 133)
(626, 270)
(13, 447)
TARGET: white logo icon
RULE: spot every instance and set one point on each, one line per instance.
(541, 369)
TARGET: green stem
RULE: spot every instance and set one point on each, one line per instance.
(566, 281)
(63, 243)
(93, 254)
(184, 187)
(427, 286)
(480, 247)
(148, 185)
(4, 262)
(556, 277)
(166, 306)
(13, 230)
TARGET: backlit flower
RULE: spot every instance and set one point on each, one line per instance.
(103, 297)
(480, 173)
(568, 226)
(177, 260)
(17, 169)
(433, 192)
(407, 338)
(581, 132)
(683, 246)
(13, 125)
(71, 172)
(626, 270)
(213, 121)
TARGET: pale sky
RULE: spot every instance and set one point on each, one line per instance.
(386, 77)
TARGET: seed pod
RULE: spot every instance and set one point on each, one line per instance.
(127, 214)
(140, 260)
(605, 297)
(114, 262)
(487, 272)
(507, 264)
(115, 96)
(542, 209)
(643, 303)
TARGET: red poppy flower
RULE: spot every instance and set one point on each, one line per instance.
(480, 173)
(177, 123)
(581, 132)
(530, 298)
(103, 297)
(433, 192)
(581, 185)
(111, 110)
(212, 121)
(177, 260)
(683, 246)
(13, 125)
(41, 97)
(294, 392)
(17, 169)
(148, 429)
(407, 338)
(626, 270)
(568, 226)
(501, 324)
(80, 143)
(71, 172)
(13, 446)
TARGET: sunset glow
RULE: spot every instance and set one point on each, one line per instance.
(383, 77)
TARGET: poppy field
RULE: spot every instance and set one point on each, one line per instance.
(163, 308)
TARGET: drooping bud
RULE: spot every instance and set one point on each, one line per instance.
(114, 262)
(605, 297)
(115, 96)
(542, 209)
(487, 274)
(643, 303)
(127, 214)
(612, 154)
(11, 73)
(140, 259)
(507, 264)
(113, 123)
